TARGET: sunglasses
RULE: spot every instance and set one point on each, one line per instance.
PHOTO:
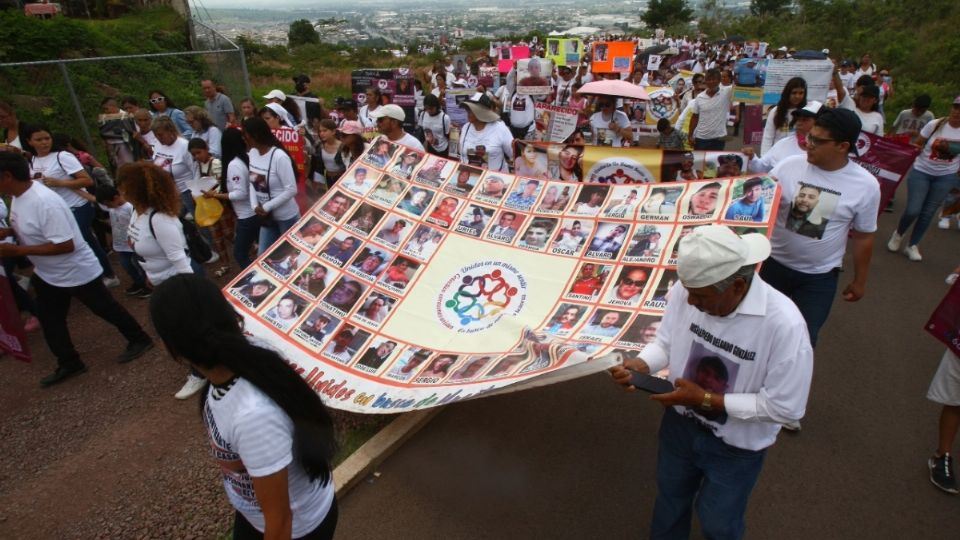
(817, 141)
(156, 100)
(632, 282)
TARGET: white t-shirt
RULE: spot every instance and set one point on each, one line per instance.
(814, 240)
(163, 253)
(61, 166)
(365, 119)
(564, 91)
(783, 149)
(252, 437)
(522, 110)
(212, 136)
(150, 139)
(871, 122)
(409, 140)
(771, 135)
(40, 216)
(602, 134)
(497, 141)
(176, 160)
(928, 160)
(273, 189)
(712, 111)
(766, 357)
(238, 188)
(439, 127)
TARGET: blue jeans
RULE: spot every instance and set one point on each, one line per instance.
(707, 144)
(925, 194)
(129, 263)
(84, 216)
(270, 233)
(694, 464)
(247, 233)
(812, 293)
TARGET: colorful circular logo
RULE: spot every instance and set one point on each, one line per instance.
(661, 104)
(481, 294)
(619, 170)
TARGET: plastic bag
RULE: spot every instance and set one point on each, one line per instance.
(208, 211)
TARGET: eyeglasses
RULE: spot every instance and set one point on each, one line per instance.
(156, 100)
(632, 282)
(817, 141)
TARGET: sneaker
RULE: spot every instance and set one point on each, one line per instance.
(222, 271)
(133, 290)
(193, 385)
(146, 292)
(913, 253)
(895, 241)
(952, 278)
(941, 473)
(792, 426)
(61, 374)
(111, 281)
(32, 324)
(213, 258)
(134, 351)
(944, 223)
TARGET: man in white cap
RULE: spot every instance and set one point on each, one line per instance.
(390, 123)
(741, 364)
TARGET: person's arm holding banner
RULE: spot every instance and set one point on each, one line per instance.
(653, 358)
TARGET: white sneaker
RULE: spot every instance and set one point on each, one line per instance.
(895, 241)
(952, 278)
(193, 385)
(913, 253)
(213, 258)
(944, 222)
(111, 281)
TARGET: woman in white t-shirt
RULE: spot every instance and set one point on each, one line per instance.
(62, 172)
(234, 188)
(156, 235)
(171, 153)
(933, 175)
(203, 128)
(485, 141)
(273, 182)
(610, 127)
(374, 100)
(436, 126)
(271, 434)
(777, 126)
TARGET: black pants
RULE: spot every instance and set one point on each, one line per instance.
(54, 304)
(243, 530)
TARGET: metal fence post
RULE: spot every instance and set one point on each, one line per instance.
(76, 105)
(246, 75)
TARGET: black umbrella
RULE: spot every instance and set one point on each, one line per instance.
(656, 49)
(809, 55)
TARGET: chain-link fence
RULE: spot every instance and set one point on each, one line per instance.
(65, 94)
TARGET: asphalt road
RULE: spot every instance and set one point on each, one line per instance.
(576, 460)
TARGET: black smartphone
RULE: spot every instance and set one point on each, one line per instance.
(649, 383)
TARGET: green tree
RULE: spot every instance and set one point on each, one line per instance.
(664, 13)
(764, 8)
(302, 32)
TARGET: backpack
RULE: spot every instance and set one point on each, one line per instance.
(197, 247)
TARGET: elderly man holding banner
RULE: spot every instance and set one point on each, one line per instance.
(741, 362)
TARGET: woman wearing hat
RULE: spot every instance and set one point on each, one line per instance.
(485, 141)
(352, 145)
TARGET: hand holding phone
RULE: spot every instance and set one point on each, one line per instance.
(649, 383)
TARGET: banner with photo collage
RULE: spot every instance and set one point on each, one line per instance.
(418, 281)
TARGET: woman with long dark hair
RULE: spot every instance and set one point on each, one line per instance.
(273, 182)
(793, 97)
(235, 188)
(271, 433)
(161, 105)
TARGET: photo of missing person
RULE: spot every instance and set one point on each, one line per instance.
(667, 280)
(474, 220)
(286, 310)
(661, 201)
(435, 170)
(400, 272)
(537, 234)
(377, 354)
(605, 323)
(284, 260)
(556, 197)
(507, 365)
(394, 230)
(590, 279)
(532, 76)
(371, 261)
(471, 368)
(318, 325)
(565, 319)
(365, 218)
(416, 201)
(723, 164)
(345, 293)
(684, 232)
(749, 200)
(464, 180)
(531, 160)
(312, 280)
(341, 247)
(524, 195)
(590, 200)
(494, 186)
(360, 180)
(376, 307)
(572, 235)
(311, 233)
(642, 331)
(648, 242)
(702, 201)
(406, 163)
(381, 152)
(345, 343)
(680, 166)
(624, 201)
(713, 373)
(506, 226)
(630, 284)
(409, 362)
(424, 242)
(439, 367)
(337, 206)
(608, 240)
(253, 288)
(444, 212)
(388, 190)
(811, 210)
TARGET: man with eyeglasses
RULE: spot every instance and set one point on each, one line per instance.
(389, 120)
(838, 198)
(610, 126)
(708, 121)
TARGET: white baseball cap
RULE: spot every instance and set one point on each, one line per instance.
(389, 111)
(713, 253)
(276, 94)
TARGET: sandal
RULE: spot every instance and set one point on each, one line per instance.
(222, 271)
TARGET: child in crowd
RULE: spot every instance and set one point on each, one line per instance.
(670, 138)
(111, 201)
(207, 169)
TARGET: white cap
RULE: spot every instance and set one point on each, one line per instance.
(783, 49)
(389, 111)
(826, 51)
(712, 253)
(810, 110)
(276, 94)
